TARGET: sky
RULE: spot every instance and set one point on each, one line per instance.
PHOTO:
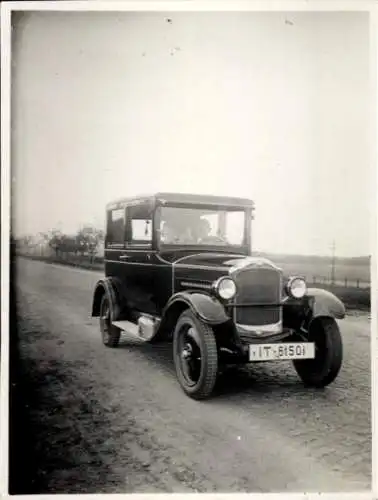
(266, 105)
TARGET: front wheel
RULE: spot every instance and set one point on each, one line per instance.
(324, 368)
(195, 356)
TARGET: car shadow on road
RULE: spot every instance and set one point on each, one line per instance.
(259, 380)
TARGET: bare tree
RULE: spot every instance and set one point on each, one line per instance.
(55, 239)
(89, 239)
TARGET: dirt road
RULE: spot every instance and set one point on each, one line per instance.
(111, 421)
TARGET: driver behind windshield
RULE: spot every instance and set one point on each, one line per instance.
(205, 235)
(175, 233)
(188, 231)
(201, 230)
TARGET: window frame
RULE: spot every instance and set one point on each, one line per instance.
(108, 242)
(139, 244)
(245, 247)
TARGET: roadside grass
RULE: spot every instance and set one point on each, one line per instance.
(72, 261)
(352, 296)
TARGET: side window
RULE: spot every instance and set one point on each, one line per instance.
(235, 222)
(139, 225)
(141, 230)
(116, 226)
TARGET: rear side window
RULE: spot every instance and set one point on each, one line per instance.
(116, 226)
(141, 231)
(139, 227)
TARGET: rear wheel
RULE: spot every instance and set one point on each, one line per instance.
(324, 368)
(109, 333)
(195, 356)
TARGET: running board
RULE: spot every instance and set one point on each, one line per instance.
(128, 327)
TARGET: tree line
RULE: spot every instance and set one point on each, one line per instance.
(85, 242)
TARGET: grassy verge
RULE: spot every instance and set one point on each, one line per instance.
(72, 261)
(353, 297)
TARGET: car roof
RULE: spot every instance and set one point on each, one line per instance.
(185, 198)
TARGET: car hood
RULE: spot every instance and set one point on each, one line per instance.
(226, 262)
(198, 271)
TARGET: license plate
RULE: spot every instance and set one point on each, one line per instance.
(274, 352)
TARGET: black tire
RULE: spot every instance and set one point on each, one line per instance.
(197, 373)
(322, 370)
(109, 333)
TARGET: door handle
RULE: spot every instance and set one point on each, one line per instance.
(124, 257)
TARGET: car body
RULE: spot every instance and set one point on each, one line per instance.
(179, 267)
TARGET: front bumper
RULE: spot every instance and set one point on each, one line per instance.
(262, 333)
(266, 338)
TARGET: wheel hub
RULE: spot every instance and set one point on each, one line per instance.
(187, 351)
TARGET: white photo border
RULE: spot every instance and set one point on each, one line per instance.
(7, 8)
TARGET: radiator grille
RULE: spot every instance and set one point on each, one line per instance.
(258, 286)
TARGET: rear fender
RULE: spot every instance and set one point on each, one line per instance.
(112, 288)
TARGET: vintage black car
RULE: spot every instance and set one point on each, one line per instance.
(179, 268)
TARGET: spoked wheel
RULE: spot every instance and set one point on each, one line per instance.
(324, 368)
(195, 356)
(109, 333)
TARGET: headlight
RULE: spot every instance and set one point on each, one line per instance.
(296, 287)
(225, 287)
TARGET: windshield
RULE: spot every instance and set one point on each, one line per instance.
(195, 226)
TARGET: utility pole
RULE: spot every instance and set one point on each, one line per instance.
(333, 263)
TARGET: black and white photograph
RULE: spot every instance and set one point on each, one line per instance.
(188, 292)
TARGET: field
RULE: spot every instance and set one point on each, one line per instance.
(320, 272)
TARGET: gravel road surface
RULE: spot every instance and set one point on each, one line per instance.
(116, 421)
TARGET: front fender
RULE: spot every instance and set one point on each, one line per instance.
(205, 307)
(318, 302)
(324, 303)
(111, 288)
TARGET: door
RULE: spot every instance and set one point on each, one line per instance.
(115, 240)
(137, 258)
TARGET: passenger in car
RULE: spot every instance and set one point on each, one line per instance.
(201, 230)
(168, 233)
